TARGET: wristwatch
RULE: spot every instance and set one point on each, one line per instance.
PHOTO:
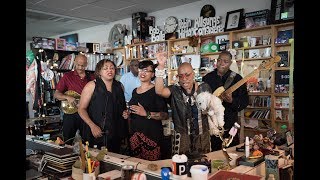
(148, 115)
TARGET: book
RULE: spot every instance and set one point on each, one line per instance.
(252, 162)
(284, 36)
(284, 61)
(278, 114)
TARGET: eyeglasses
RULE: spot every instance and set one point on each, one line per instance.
(144, 70)
(186, 75)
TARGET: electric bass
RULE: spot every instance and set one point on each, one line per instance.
(263, 66)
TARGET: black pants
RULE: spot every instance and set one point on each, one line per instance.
(113, 143)
(70, 124)
(216, 143)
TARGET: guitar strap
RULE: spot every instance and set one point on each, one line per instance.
(229, 80)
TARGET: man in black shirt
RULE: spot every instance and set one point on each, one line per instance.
(233, 103)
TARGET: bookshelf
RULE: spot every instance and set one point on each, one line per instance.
(253, 46)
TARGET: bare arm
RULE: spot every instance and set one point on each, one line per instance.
(85, 98)
(61, 97)
(139, 110)
(159, 84)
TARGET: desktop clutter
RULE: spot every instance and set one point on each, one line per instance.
(87, 167)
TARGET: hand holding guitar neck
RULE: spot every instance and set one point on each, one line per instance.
(226, 97)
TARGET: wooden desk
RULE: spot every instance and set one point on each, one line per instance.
(142, 165)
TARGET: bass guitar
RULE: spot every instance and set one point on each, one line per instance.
(265, 65)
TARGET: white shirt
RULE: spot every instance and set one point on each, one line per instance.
(129, 82)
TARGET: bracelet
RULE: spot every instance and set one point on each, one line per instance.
(148, 115)
(160, 73)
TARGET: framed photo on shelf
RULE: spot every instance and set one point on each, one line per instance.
(234, 20)
(289, 138)
(256, 18)
(60, 44)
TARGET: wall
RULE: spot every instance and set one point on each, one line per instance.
(100, 34)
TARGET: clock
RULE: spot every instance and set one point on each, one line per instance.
(208, 11)
(118, 58)
(47, 75)
(171, 24)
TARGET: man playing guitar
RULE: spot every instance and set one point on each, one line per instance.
(72, 81)
(234, 102)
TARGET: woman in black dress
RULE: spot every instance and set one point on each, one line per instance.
(147, 109)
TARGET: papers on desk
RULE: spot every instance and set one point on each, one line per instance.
(114, 174)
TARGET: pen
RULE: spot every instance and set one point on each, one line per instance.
(89, 165)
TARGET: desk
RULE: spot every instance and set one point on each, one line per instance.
(142, 165)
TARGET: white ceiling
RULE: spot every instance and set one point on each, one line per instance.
(45, 18)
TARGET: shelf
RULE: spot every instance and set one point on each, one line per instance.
(282, 44)
(257, 107)
(255, 130)
(281, 108)
(118, 48)
(157, 42)
(254, 59)
(282, 94)
(54, 50)
(259, 94)
(259, 119)
(284, 24)
(253, 29)
(282, 68)
(254, 47)
(215, 34)
(208, 54)
(281, 121)
(183, 53)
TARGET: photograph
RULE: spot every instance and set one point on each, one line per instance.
(234, 20)
(289, 138)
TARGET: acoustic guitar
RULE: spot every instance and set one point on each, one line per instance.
(263, 66)
(70, 108)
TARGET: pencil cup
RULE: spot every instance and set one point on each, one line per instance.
(89, 176)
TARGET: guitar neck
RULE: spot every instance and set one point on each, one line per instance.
(241, 82)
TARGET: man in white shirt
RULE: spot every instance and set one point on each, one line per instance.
(130, 80)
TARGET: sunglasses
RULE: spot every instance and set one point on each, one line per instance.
(185, 75)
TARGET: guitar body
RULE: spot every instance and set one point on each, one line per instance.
(219, 91)
(66, 106)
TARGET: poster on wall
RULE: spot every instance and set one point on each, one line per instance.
(71, 43)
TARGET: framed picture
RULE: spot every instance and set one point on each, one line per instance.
(289, 138)
(257, 18)
(282, 11)
(234, 20)
(60, 44)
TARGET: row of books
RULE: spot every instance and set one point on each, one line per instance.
(260, 114)
(282, 102)
(260, 101)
